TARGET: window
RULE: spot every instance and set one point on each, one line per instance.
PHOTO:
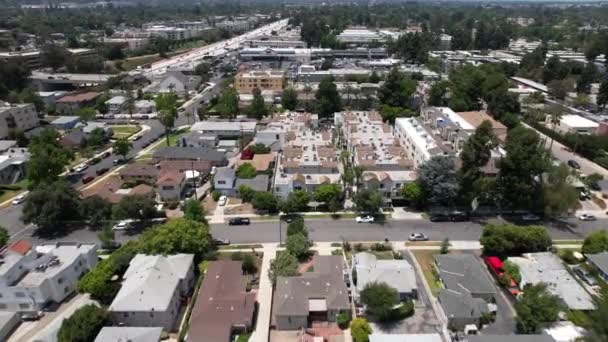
(24, 306)
(126, 314)
(66, 289)
(19, 294)
(221, 182)
(60, 280)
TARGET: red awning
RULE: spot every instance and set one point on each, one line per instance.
(494, 263)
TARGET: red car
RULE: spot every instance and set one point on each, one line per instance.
(495, 265)
(88, 179)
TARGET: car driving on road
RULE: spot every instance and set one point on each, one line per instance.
(19, 199)
(587, 217)
(418, 237)
(239, 221)
(365, 219)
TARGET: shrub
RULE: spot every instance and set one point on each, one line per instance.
(246, 171)
(343, 320)
(487, 318)
(381, 247)
(568, 257)
(236, 256)
(216, 195)
(404, 311)
(596, 242)
(172, 204)
(346, 245)
(508, 240)
(360, 248)
(249, 266)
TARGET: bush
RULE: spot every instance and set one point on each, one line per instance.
(216, 195)
(249, 266)
(381, 247)
(172, 204)
(246, 171)
(568, 257)
(508, 240)
(236, 256)
(346, 245)
(246, 193)
(596, 242)
(343, 320)
(360, 248)
(487, 318)
(404, 311)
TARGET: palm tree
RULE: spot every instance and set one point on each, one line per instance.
(167, 119)
(556, 115)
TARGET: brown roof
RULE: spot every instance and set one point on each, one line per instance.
(171, 177)
(21, 246)
(299, 177)
(475, 118)
(82, 97)
(141, 189)
(139, 170)
(107, 189)
(202, 166)
(292, 152)
(222, 304)
(326, 152)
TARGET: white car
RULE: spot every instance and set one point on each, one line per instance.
(222, 201)
(19, 199)
(365, 219)
(418, 237)
(122, 225)
(587, 217)
(81, 167)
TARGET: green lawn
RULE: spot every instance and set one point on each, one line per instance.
(243, 338)
(173, 137)
(125, 131)
(426, 261)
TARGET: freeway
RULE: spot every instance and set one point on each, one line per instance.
(338, 230)
(215, 49)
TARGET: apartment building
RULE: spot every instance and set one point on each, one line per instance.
(309, 158)
(234, 26)
(128, 43)
(360, 35)
(273, 80)
(13, 162)
(373, 146)
(29, 58)
(30, 279)
(275, 134)
(17, 116)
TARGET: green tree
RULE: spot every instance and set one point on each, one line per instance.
(122, 146)
(438, 94)
(4, 237)
(86, 113)
(166, 102)
(445, 246)
(508, 240)
(258, 108)
(97, 137)
(176, 236)
(327, 192)
(520, 170)
(560, 88)
(48, 158)
(137, 207)
(397, 89)
(246, 193)
(52, 206)
(83, 325)
(360, 329)
(596, 242)
(536, 308)
(167, 119)
(559, 196)
(298, 245)
(296, 201)
(249, 266)
(193, 211)
(246, 170)
(602, 95)
(297, 226)
(106, 236)
(289, 100)
(368, 200)
(412, 192)
(589, 75)
(328, 98)
(476, 154)
(379, 299)
(598, 329)
(96, 210)
(228, 105)
(284, 265)
(54, 56)
(438, 179)
(513, 270)
(265, 201)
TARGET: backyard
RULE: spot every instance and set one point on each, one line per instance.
(426, 261)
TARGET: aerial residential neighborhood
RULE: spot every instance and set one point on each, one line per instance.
(287, 171)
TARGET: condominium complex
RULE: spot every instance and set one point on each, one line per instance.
(17, 116)
(372, 145)
(309, 158)
(273, 80)
(31, 279)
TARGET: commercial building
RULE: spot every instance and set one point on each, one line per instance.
(223, 306)
(573, 123)
(169, 33)
(30, 59)
(319, 295)
(372, 145)
(360, 36)
(128, 43)
(17, 116)
(234, 26)
(31, 279)
(225, 129)
(153, 290)
(273, 80)
(399, 274)
(309, 158)
(13, 162)
(308, 73)
(547, 268)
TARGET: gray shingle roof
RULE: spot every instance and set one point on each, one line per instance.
(399, 274)
(461, 305)
(600, 261)
(510, 338)
(292, 294)
(131, 334)
(190, 153)
(258, 183)
(463, 273)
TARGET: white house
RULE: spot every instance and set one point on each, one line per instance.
(224, 180)
(399, 274)
(152, 291)
(30, 279)
(117, 104)
(573, 123)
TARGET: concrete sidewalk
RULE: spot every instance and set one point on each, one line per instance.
(264, 294)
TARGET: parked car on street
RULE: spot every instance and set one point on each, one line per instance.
(221, 242)
(530, 217)
(574, 164)
(102, 171)
(19, 199)
(365, 219)
(584, 275)
(239, 221)
(88, 179)
(122, 225)
(418, 237)
(81, 167)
